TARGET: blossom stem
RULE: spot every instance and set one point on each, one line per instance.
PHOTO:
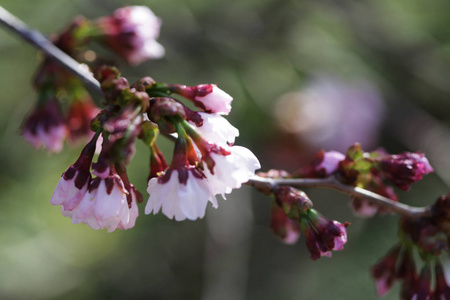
(267, 185)
(38, 40)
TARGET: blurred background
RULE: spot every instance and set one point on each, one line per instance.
(305, 76)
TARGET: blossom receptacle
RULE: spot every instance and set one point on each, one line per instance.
(131, 32)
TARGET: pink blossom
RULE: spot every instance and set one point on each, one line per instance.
(180, 194)
(232, 170)
(213, 99)
(131, 32)
(385, 273)
(216, 129)
(45, 127)
(323, 164)
(106, 205)
(71, 188)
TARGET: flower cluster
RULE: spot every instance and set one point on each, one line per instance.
(292, 213)
(65, 108)
(205, 162)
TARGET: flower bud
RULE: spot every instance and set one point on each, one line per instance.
(283, 227)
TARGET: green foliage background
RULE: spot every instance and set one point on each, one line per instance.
(255, 50)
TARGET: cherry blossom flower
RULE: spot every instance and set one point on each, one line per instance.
(45, 127)
(231, 170)
(216, 129)
(105, 205)
(131, 32)
(180, 194)
(207, 97)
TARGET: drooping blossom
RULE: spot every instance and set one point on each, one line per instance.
(323, 164)
(74, 182)
(423, 287)
(81, 112)
(207, 97)
(216, 129)
(105, 205)
(131, 32)
(385, 271)
(283, 227)
(322, 235)
(45, 127)
(404, 169)
(180, 194)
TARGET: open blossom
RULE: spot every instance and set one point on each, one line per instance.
(105, 205)
(216, 129)
(45, 127)
(231, 170)
(208, 97)
(180, 194)
(132, 31)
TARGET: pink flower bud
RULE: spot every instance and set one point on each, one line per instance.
(384, 272)
(131, 32)
(442, 290)
(45, 127)
(323, 164)
(283, 227)
(404, 169)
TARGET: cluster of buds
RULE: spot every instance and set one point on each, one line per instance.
(65, 108)
(368, 170)
(429, 236)
(292, 213)
(205, 162)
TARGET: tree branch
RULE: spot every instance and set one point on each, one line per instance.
(268, 184)
(39, 41)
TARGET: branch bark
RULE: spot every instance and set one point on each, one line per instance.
(268, 184)
(39, 41)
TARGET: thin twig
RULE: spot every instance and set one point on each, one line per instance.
(38, 40)
(268, 184)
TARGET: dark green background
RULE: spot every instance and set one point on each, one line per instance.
(256, 50)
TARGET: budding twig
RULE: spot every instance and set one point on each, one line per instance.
(38, 40)
(268, 184)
